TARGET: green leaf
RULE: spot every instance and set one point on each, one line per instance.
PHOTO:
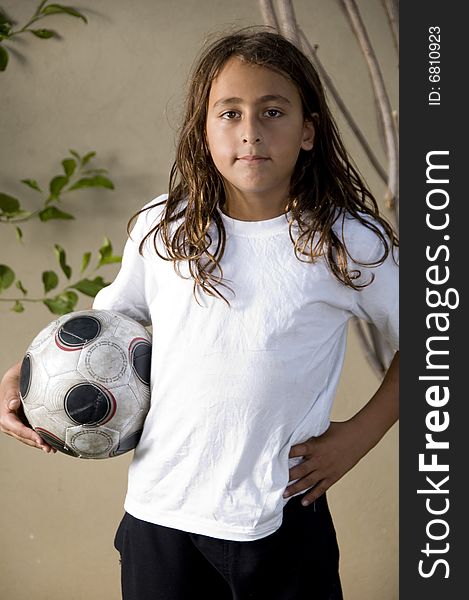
(5, 27)
(20, 286)
(96, 181)
(105, 254)
(19, 233)
(86, 159)
(3, 58)
(7, 277)
(62, 304)
(85, 261)
(51, 212)
(109, 261)
(69, 166)
(57, 184)
(50, 280)
(8, 204)
(106, 248)
(39, 8)
(32, 183)
(59, 8)
(44, 34)
(3, 18)
(56, 307)
(76, 155)
(62, 258)
(18, 307)
(90, 287)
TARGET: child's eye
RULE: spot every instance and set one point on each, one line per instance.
(273, 113)
(230, 114)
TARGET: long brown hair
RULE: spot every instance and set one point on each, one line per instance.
(325, 185)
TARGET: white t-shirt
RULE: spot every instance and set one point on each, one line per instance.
(233, 388)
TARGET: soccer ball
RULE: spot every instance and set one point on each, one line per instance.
(85, 383)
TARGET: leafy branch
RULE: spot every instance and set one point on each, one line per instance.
(66, 300)
(42, 11)
(76, 175)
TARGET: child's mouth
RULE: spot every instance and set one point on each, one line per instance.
(252, 158)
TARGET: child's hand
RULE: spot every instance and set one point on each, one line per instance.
(11, 412)
(326, 459)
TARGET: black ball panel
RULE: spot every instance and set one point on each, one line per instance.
(77, 332)
(88, 404)
(141, 361)
(55, 442)
(128, 443)
(25, 376)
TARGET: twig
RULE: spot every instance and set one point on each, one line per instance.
(381, 95)
(268, 14)
(343, 108)
(395, 119)
(392, 12)
(287, 21)
(21, 299)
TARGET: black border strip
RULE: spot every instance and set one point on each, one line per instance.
(434, 422)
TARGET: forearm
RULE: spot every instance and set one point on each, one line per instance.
(382, 411)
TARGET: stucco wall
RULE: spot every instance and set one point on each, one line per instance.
(116, 86)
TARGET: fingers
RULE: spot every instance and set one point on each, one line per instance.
(299, 450)
(301, 485)
(303, 469)
(12, 426)
(326, 458)
(313, 482)
(305, 448)
(12, 419)
(314, 494)
(10, 423)
(310, 474)
(14, 404)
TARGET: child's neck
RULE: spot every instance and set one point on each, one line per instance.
(253, 208)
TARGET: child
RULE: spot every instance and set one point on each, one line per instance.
(248, 271)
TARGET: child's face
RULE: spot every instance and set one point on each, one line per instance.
(255, 130)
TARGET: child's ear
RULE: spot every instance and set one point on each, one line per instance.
(309, 132)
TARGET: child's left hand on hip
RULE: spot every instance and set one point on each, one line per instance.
(325, 459)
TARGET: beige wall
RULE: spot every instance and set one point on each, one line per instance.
(115, 86)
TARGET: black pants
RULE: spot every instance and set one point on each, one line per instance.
(298, 561)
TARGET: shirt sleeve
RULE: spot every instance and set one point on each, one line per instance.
(127, 294)
(378, 302)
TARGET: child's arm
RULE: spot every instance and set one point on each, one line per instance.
(10, 411)
(328, 457)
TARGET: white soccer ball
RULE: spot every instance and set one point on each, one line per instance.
(85, 383)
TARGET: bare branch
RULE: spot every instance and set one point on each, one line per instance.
(392, 12)
(268, 14)
(287, 21)
(343, 108)
(394, 207)
(382, 97)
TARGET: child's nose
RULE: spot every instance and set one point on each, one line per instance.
(251, 133)
(251, 138)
